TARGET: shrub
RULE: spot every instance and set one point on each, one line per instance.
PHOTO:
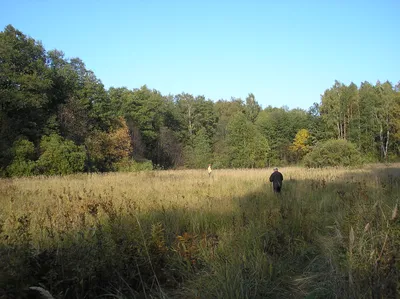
(333, 153)
(105, 150)
(130, 165)
(21, 168)
(60, 156)
(22, 165)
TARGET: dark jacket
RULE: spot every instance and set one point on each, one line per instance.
(276, 178)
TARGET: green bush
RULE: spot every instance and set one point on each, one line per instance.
(21, 168)
(60, 156)
(23, 149)
(22, 165)
(130, 165)
(333, 153)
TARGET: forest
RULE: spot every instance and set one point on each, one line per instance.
(57, 117)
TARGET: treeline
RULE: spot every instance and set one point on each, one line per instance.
(56, 117)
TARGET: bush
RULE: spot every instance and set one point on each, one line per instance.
(105, 150)
(130, 165)
(21, 168)
(22, 165)
(333, 153)
(60, 156)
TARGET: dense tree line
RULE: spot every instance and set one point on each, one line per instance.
(56, 117)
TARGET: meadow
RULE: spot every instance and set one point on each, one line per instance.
(332, 233)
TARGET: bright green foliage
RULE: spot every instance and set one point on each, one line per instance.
(366, 116)
(384, 109)
(396, 121)
(60, 156)
(369, 128)
(198, 154)
(279, 126)
(247, 146)
(340, 110)
(225, 111)
(196, 113)
(23, 149)
(20, 168)
(333, 153)
(23, 164)
(252, 108)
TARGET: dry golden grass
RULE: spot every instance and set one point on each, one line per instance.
(64, 198)
(174, 212)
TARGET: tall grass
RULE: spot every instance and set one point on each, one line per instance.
(332, 233)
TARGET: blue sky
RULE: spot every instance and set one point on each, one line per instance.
(285, 52)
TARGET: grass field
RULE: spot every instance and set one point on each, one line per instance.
(332, 233)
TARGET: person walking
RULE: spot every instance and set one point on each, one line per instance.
(209, 170)
(276, 179)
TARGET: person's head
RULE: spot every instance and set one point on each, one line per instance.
(276, 169)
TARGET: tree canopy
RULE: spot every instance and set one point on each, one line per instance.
(56, 117)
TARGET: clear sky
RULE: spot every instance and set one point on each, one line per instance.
(285, 52)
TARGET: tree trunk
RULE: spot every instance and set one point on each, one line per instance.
(383, 155)
(190, 122)
(387, 144)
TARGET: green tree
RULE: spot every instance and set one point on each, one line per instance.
(24, 89)
(396, 120)
(85, 105)
(23, 155)
(59, 156)
(225, 111)
(317, 127)
(252, 108)
(247, 146)
(369, 126)
(198, 154)
(384, 116)
(340, 110)
(185, 103)
(205, 116)
(279, 126)
(144, 110)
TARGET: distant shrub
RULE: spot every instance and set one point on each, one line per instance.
(130, 165)
(106, 149)
(22, 165)
(23, 149)
(219, 165)
(60, 156)
(21, 168)
(333, 153)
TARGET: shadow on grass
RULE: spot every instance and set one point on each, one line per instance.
(289, 245)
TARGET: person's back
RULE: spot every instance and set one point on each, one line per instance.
(276, 179)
